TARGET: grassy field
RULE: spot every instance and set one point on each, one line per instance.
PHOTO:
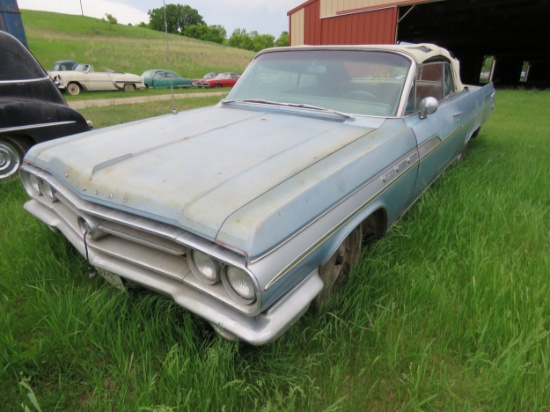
(54, 36)
(449, 311)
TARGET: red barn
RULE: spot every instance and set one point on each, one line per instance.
(513, 31)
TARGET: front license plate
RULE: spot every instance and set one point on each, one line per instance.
(113, 279)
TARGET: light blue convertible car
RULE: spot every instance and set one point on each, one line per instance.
(247, 212)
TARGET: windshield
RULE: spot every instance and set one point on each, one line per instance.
(82, 67)
(350, 81)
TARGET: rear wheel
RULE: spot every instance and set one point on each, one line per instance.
(73, 89)
(11, 156)
(336, 270)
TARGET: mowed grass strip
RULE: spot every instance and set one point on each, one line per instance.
(448, 312)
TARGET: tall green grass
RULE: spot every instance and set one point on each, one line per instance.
(448, 312)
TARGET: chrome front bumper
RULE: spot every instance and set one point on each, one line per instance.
(133, 263)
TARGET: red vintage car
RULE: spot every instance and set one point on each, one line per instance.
(221, 80)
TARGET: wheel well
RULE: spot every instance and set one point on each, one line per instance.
(26, 141)
(375, 226)
(77, 83)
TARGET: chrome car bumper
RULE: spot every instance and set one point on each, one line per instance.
(156, 271)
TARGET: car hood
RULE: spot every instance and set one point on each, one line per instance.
(243, 178)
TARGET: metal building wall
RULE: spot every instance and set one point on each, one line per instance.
(331, 8)
(345, 22)
(361, 28)
(10, 20)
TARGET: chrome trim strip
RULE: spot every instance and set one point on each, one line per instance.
(35, 126)
(428, 146)
(384, 180)
(24, 81)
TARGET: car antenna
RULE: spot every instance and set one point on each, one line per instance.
(174, 111)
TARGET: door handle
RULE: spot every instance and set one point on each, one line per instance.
(457, 116)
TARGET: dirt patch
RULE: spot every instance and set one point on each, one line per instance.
(82, 104)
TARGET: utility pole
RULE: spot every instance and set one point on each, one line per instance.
(81, 9)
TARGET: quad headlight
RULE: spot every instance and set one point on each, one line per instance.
(204, 267)
(35, 186)
(238, 283)
(48, 191)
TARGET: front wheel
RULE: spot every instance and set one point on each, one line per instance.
(129, 87)
(336, 270)
(73, 89)
(11, 157)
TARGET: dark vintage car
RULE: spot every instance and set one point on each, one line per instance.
(32, 109)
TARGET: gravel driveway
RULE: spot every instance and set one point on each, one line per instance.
(82, 104)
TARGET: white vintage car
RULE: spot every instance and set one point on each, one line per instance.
(85, 78)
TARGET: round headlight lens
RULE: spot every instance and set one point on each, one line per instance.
(240, 282)
(48, 192)
(207, 268)
(34, 183)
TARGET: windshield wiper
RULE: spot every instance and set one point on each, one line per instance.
(299, 105)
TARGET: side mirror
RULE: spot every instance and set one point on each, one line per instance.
(428, 106)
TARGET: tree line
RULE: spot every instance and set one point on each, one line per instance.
(186, 21)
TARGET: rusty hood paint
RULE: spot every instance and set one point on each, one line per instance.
(243, 178)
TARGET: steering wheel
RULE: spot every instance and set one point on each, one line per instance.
(360, 95)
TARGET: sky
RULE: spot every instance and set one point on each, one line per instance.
(263, 16)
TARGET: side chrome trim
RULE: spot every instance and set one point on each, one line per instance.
(377, 185)
(24, 81)
(35, 126)
(428, 146)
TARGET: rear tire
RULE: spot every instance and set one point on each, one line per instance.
(73, 89)
(12, 152)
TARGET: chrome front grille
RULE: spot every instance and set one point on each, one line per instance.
(134, 247)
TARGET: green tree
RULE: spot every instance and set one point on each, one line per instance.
(261, 41)
(241, 39)
(215, 34)
(283, 40)
(178, 17)
(109, 18)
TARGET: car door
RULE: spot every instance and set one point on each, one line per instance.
(440, 136)
(101, 81)
(159, 80)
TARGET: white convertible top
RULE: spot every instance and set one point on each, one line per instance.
(422, 52)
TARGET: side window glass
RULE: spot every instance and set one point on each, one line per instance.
(449, 81)
(430, 82)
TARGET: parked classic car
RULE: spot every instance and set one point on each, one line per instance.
(85, 78)
(164, 79)
(247, 212)
(220, 80)
(31, 108)
(209, 75)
